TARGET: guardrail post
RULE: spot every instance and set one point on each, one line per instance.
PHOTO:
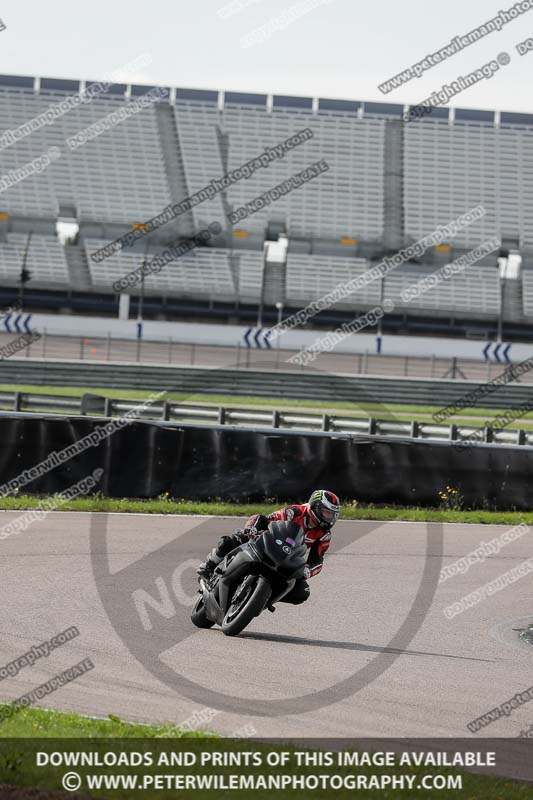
(108, 407)
(17, 401)
(453, 368)
(415, 429)
(275, 419)
(488, 434)
(522, 437)
(108, 347)
(221, 416)
(165, 411)
(453, 432)
(326, 421)
(372, 426)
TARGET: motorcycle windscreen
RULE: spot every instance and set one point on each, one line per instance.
(283, 545)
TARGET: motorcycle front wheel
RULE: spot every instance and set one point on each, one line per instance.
(251, 600)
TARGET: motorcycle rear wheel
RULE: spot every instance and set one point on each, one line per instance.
(199, 616)
(240, 614)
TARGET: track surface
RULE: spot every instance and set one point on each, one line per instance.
(450, 673)
(98, 351)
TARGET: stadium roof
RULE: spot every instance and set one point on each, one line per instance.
(278, 102)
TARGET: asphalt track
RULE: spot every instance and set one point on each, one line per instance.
(97, 350)
(451, 672)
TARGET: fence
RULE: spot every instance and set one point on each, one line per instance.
(90, 404)
(311, 385)
(107, 349)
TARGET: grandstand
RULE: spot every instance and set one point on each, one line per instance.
(388, 185)
(45, 259)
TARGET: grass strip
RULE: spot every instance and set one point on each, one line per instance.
(38, 722)
(350, 511)
(400, 412)
(18, 763)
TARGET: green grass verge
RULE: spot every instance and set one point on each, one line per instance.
(37, 722)
(401, 412)
(18, 762)
(350, 511)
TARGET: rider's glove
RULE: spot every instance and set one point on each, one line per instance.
(307, 572)
(251, 531)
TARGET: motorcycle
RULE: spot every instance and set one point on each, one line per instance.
(254, 576)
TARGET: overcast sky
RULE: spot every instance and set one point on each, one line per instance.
(336, 48)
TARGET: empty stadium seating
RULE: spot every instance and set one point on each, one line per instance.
(118, 176)
(438, 168)
(449, 169)
(201, 150)
(250, 273)
(345, 201)
(46, 261)
(220, 274)
(475, 291)
(527, 291)
(311, 276)
(203, 273)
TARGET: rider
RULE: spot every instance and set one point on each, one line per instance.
(316, 517)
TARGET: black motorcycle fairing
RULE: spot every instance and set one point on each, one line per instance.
(276, 596)
(212, 608)
(214, 605)
(239, 566)
(279, 555)
(283, 546)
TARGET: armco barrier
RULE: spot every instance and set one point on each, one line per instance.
(305, 385)
(293, 419)
(206, 462)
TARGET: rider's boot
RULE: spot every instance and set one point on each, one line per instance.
(206, 568)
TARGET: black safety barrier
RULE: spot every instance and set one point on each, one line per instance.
(197, 462)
